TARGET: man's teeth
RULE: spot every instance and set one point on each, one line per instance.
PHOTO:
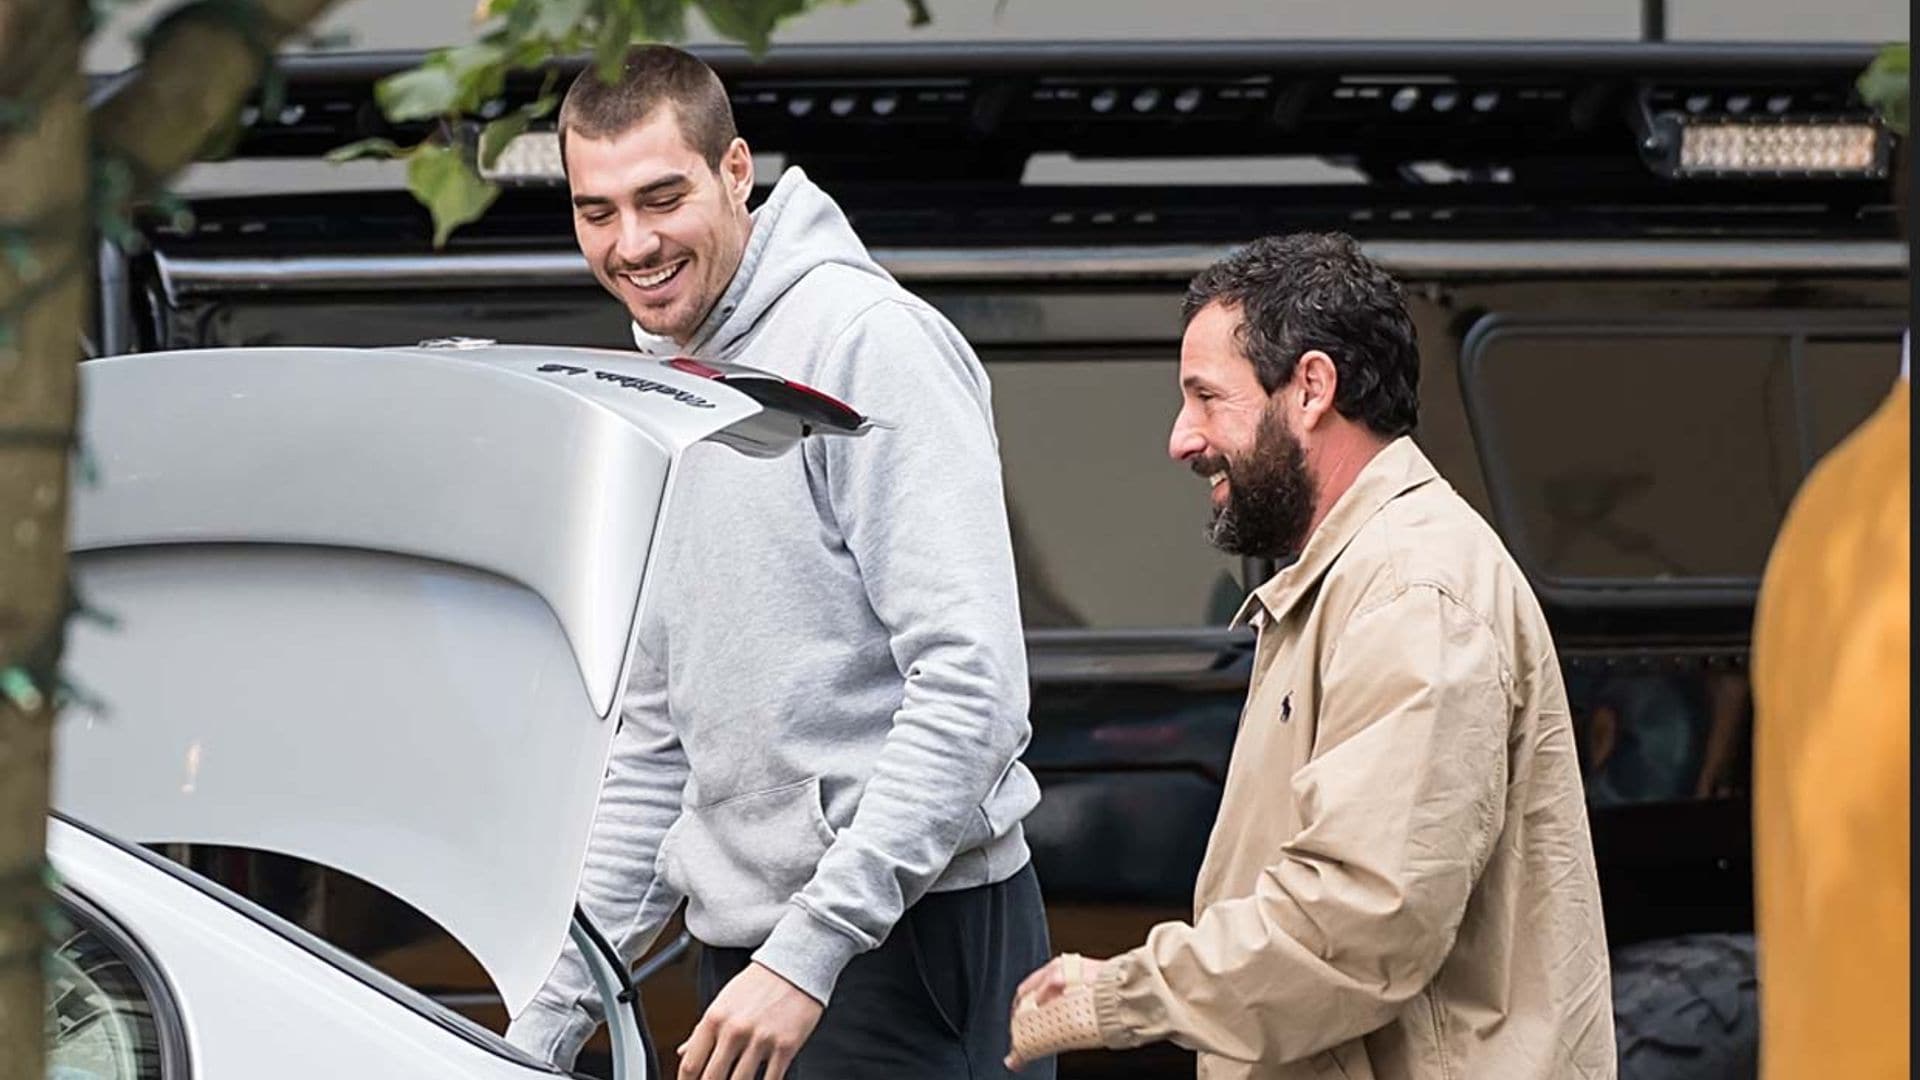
(648, 281)
(1216, 479)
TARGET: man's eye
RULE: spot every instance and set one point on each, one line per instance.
(661, 206)
(597, 217)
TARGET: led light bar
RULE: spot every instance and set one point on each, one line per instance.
(531, 157)
(1760, 146)
(1768, 147)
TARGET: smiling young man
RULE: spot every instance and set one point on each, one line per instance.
(819, 747)
(1400, 882)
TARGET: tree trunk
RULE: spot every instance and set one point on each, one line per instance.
(43, 194)
(196, 81)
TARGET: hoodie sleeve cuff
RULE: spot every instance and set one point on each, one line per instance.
(550, 1033)
(807, 953)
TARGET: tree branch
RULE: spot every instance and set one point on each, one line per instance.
(201, 68)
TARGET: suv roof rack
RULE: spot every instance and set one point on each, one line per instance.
(1429, 140)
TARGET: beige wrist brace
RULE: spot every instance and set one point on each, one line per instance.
(1065, 1023)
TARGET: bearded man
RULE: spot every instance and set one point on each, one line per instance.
(1401, 880)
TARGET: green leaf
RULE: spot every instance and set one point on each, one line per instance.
(661, 20)
(750, 22)
(112, 200)
(365, 148)
(417, 94)
(174, 208)
(273, 90)
(508, 19)
(69, 693)
(17, 687)
(616, 33)
(480, 72)
(497, 134)
(556, 20)
(548, 99)
(86, 464)
(100, 617)
(449, 82)
(1883, 86)
(445, 182)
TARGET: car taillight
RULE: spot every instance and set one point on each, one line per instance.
(828, 400)
(694, 367)
(772, 391)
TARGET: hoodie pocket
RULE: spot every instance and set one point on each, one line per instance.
(739, 860)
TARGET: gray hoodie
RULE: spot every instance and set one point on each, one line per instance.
(826, 715)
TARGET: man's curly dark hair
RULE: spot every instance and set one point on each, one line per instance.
(1307, 291)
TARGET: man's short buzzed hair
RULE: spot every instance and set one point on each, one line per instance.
(652, 76)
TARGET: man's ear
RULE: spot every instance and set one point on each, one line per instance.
(736, 170)
(1316, 382)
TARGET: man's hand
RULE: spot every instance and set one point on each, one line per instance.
(757, 1019)
(1064, 974)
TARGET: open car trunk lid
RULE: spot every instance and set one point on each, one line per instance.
(374, 609)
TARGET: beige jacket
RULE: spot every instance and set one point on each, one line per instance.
(1401, 881)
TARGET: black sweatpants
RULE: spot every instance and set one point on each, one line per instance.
(933, 1000)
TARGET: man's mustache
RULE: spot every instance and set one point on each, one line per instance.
(659, 263)
(1204, 468)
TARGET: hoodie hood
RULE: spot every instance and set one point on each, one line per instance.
(796, 231)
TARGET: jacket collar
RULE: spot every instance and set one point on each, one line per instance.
(1398, 468)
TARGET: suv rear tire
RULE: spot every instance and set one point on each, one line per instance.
(1687, 1008)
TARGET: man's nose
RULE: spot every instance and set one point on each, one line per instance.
(637, 244)
(1185, 441)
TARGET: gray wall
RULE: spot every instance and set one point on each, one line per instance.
(409, 24)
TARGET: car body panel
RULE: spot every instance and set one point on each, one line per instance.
(253, 1003)
(409, 452)
(373, 609)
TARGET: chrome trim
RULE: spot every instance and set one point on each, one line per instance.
(675, 949)
(116, 332)
(1074, 640)
(1209, 657)
(188, 276)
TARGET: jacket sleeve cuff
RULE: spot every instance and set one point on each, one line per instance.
(1109, 1008)
(550, 1033)
(807, 953)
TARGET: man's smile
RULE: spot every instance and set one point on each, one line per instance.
(654, 280)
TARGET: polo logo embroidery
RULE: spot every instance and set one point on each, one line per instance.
(1286, 707)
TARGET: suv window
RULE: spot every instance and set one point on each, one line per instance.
(1667, 451)
(1107, 530)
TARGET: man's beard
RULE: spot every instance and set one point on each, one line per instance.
(1269, 495)
(682, 316)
